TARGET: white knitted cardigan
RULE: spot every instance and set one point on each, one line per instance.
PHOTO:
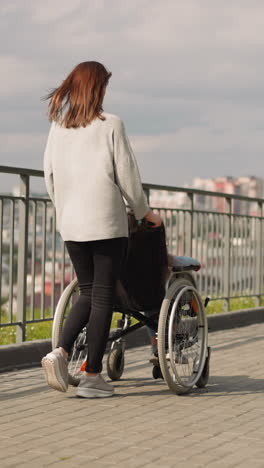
(88, 171)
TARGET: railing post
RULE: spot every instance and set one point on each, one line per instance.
(227, 253)
(22, 258)
(147, 193)
(1, 249)
(190, 226)
(259, 255)
(53, 232)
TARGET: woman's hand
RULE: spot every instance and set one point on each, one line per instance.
(153, 218)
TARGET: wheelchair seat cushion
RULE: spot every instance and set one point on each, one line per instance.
(183, 263)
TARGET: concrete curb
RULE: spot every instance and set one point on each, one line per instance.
(30, 353)
(238, 318)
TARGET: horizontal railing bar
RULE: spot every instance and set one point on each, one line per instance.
(218, 213)
(40, 320)
(170, 188)
(10, 324)
(21, 171)
(14, 197)
(223, 298)
(11, 197)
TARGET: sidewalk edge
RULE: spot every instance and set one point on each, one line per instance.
(30, 353)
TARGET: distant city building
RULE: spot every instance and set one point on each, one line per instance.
(167, 199)
(249, 186)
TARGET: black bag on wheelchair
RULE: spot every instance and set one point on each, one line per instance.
(145, 269)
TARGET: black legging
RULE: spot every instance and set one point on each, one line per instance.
(97, 265)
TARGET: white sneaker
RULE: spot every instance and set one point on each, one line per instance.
(55, 367)
(94, 387)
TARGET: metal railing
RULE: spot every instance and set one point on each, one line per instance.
(225, 232)
(34, 265)
(226, 237)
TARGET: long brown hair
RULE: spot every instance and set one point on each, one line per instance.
(81, 94)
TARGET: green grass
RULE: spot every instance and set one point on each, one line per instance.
(215, 307)
(42, 330)
(37, 330)
(218, 306)
(34, 331)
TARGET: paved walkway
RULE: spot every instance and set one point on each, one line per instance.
(144, 425)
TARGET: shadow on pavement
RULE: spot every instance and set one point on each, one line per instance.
(217, 386)
(239, 384)
(12, 395)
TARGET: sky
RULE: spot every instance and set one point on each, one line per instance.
(187, 80)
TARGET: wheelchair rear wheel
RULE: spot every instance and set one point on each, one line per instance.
(79, 350)
(182, 336)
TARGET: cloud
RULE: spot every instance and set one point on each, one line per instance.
(53, 10)
(22, 142)
(187, 77)
(20, 77)
(202, 140)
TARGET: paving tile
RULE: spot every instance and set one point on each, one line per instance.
(144, 425)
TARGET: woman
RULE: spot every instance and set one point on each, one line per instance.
(89, 167)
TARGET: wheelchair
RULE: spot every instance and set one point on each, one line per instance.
(182, 332)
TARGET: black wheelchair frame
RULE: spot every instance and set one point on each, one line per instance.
(167, 367)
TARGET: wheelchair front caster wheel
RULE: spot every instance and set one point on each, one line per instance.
(203, 380)
(156, 372)
(115, 363)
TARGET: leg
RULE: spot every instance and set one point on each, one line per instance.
(82, 260)
(54, 364)
(107, 258)
(153, 339)
(151, 332)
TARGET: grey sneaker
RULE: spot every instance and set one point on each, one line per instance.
(94, 387)
(55, 367)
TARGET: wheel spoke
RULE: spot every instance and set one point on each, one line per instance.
(78, 355)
